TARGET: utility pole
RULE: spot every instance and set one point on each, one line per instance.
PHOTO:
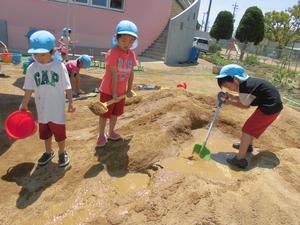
(203, 21)
(235, 7)
(207, 18)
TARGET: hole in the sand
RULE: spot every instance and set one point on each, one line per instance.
(198, 123)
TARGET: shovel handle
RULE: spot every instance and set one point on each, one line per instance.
(221, 98)
(112, 101)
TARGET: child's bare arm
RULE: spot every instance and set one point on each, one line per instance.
(238, 104)
(234, 100)
(114, 81)
(72, 75)
(25, 101)
(69, 96)
(61, 42)
(129, 87)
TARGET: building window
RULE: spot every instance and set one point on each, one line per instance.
(117, 4)
(111, 4)
(81, 1)
(102, 3)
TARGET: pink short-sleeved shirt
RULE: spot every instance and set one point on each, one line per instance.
(72, 66)
(124, 63)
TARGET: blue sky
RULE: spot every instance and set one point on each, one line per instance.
(220, 5)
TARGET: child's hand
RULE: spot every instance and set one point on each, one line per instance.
(115, 97)
(71, 108)
(23, 107)
(130, 93)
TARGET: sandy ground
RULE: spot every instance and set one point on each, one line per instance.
(148, 178)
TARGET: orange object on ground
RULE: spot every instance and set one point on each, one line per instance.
(6, 57)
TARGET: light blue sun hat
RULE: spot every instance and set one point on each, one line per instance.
(126, 27)
(233, 70)
(41, 41)
(65, 31)
(86, 60)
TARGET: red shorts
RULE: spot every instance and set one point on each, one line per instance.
(46, 131)
(258, 122)
(116, 109)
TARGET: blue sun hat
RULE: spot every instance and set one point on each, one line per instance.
(31, 31)
(65, 31)
(41, 41)
(233, 70)
(126, 27)
(86, 60)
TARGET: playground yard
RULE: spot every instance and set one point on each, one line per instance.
(148, 178)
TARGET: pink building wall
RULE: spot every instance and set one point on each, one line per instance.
(92, 27)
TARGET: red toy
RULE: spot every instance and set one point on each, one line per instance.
(20, 124)
(182, 85)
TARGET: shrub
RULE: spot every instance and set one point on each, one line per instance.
(285, 78)
(213, 48)
(251, 60)
(217, 59)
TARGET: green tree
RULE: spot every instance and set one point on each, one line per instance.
(283, 27)
(295, 20)
(223, 26)
(278, 28)
(251, 28)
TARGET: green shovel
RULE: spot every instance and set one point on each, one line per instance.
(201, 150)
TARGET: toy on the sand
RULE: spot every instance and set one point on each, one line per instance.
(20, 124)
(182, 85)
(202, 150)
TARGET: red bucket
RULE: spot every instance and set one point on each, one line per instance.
(6, 57)
(20, 124)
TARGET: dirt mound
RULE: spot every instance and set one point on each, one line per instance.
(147, 178)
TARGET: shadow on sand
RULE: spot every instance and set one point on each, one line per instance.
(113, 157)
(8, 104)
(33, 183)
(264, 159)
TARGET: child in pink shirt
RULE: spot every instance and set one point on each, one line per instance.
(73, 67)
(118, 78)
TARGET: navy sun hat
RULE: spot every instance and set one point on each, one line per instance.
(41, 41)
(233, 70)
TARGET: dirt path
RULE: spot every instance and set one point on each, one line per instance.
(147, 178)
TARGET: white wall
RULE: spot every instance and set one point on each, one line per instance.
(180, 35)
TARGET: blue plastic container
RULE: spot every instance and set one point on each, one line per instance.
(194, 55)
(16, 58)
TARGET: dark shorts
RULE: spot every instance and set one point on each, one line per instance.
(116, 109)
(258, 122)
(47, 130)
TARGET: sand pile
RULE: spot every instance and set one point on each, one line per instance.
(147, 177)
